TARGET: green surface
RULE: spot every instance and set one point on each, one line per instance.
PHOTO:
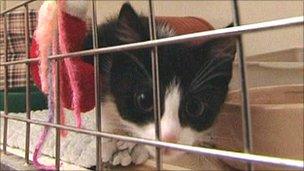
(16, 100)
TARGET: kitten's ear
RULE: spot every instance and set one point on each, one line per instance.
(129, 25)
(221, 48)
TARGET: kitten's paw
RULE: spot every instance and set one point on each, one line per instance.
(123, 153)
(139, 154)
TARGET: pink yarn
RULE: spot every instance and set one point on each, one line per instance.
(46, 129)
(75, 90)
(69, 42)
(52, 100)
(47, 23)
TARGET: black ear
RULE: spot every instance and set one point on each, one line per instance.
(129, 25)
(221, 48)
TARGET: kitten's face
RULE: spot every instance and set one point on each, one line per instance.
(193, 81)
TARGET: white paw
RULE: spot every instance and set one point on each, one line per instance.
(123, 153)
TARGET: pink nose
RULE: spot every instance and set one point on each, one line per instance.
(169, 138)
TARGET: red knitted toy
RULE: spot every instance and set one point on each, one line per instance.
(64, 19)
(76, 77)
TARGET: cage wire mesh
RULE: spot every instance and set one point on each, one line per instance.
(238, 30)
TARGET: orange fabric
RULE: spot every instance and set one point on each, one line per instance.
(187, 25)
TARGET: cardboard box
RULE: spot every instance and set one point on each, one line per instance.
(276, 120)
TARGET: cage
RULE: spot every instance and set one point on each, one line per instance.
(258, 105)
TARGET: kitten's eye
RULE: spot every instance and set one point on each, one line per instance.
(194, 107)
(144, 101)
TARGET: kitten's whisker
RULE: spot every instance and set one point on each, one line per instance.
(203, 81)
(215, 67)
(221, 62)
(194, 82)
(203, 70)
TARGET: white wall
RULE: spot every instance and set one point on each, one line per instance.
(219, 13)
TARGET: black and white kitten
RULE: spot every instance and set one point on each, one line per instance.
(193, 86)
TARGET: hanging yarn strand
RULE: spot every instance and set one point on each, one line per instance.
(73, 13)
(46, 129)
(75, 91)
(55, 51)
(47, 23)
(49, 46)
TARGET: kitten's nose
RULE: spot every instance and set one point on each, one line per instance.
(169, 138)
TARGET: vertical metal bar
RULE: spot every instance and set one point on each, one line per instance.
(247, 134)
(56, 66)
(5, 85)
(27, 90)
(57, 98)
(156, 90)
(97, 88)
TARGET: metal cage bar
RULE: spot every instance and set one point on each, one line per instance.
(155, 83)
(225, 32)
(187, 148)
(246, 118)
(238, 30)
(57, 112)
(17, 6)
(5, 121)
(56, 66)
(27, 90)
(97, 88)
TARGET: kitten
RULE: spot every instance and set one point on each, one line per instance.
(193, 86)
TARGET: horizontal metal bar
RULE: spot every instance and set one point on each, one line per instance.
(192, 149)
(24, 61)
(17, 6)
(179, 39)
